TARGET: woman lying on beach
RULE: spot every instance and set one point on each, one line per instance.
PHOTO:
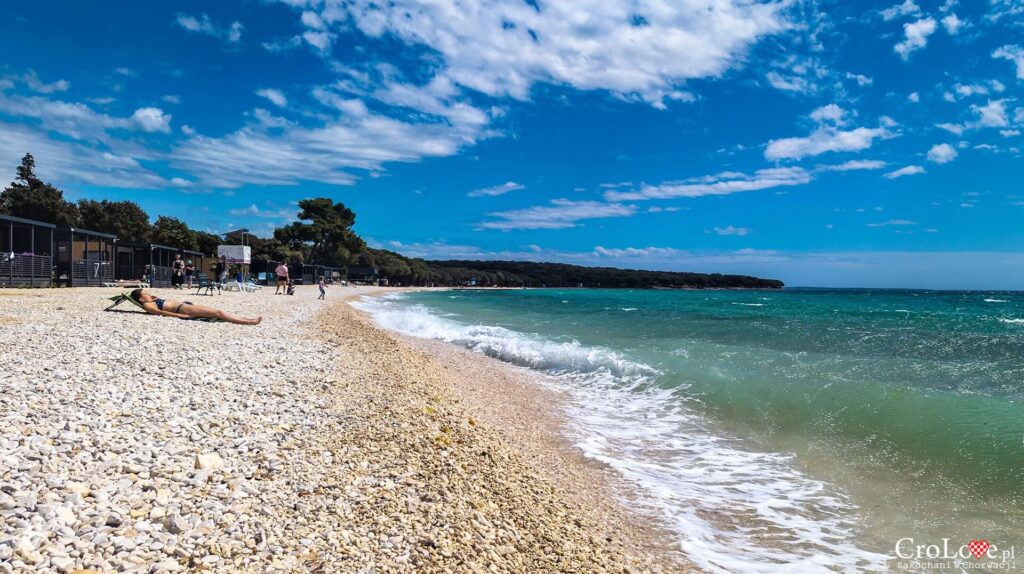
(185, 310)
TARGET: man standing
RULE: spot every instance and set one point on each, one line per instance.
(282, 278)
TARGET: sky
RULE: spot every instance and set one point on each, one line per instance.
(844, 144)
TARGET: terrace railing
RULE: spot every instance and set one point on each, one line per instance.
(91, 272)
(25, 270)
(159, 276)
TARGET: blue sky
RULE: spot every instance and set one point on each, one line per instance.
(822, 143)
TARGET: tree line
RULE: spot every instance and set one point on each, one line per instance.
(324, 235)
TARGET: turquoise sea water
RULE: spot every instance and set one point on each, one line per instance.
(776, 431)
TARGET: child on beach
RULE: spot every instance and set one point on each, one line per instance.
(323, 288)
(291, 288)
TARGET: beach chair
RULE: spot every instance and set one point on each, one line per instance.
(253, 286)
(205, 286)
(118, 299)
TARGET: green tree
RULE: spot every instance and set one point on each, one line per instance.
(31, 198)
(324, 235)
(173, 232)
(208, 242)
(125, 219)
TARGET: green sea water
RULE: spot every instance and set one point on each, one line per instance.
(808, 429)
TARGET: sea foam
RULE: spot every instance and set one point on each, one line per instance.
(733, 509)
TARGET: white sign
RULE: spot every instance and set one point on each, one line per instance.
(235, 253)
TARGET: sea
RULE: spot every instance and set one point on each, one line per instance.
(795, 430)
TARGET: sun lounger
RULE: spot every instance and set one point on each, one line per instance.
(118, 299)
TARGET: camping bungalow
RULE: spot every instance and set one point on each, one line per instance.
(84, 258)
(26, 252)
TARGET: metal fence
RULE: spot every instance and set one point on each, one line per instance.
(159, 276)
(91, 272)
(25, 270)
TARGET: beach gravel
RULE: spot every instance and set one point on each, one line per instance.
(313, 442)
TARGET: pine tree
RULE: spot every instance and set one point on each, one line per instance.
(31, 198)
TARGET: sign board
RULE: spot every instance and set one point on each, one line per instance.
(235, 253)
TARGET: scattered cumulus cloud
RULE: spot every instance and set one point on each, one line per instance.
(35, 84)
(992, 114)
(1013, 53)
(231, 33)
(560, 214)
(275, 96)
(893, 222)
(720, 184)
(907, 8)
(152, 120)
(952, 24)
(942, 153)
(904, 171)
(731, 230)
(915, 37)
(496, 189)
(914, 97)
(823, 140)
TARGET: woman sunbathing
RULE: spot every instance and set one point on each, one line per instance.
(186, 310)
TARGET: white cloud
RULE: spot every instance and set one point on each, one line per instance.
(914, 97)
(313, 20)
(955, 129)
(203, 25)
(854, 165)
(719, 184)
(171, 99)
(561, 214)
(504, 47)
(1009, 133)
(952, 24)
(319, 40)
(903, 171)
(942, 153)
(822, 140)
(915, 36)
(907, 8)
(152, 120)
(789, 83)
(1014, 54)
(861, 79)
(992, 114)
(126, 72)
(284, 214)
(730, 230)
(36, 85)
(275, 96)
(74, 162)
(496, 189)
(77, 120)
(829, 114)
(893, 222)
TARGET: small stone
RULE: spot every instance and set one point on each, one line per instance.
(175, 524)
(209, 461)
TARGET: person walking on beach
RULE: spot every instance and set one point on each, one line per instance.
(323, 288)
(185, 309)
(190, 272)
(282, 278)
(177, 271)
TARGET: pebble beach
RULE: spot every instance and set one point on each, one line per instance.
(313, 442)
